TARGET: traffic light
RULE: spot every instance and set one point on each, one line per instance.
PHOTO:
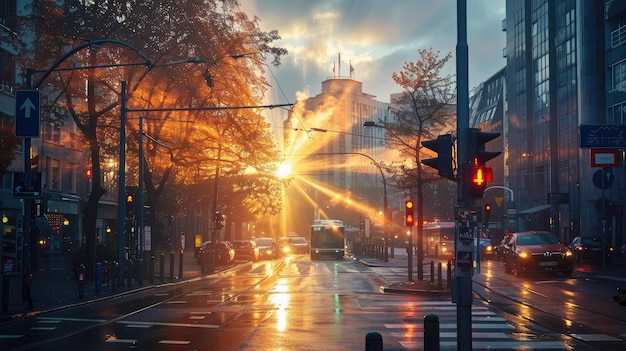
(88, 174)
(477, 179)
(477, 142)
(487, 213)
(409, 217)
(443, 146)
(476, 173)
(219, 220)
(130, 205)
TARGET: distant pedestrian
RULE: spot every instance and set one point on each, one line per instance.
(27, 296)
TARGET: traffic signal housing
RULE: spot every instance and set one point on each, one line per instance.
(487, 213)
(476, 174)
(409, 213)
(130, 205)
(443, 163)
(477, 179)
(219, 220)
(478, 141)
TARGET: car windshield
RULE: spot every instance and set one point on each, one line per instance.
(536, 239)
(242, 244)
(591, 241)
(263, 241)
(299, 240)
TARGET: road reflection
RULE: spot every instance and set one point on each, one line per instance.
(280, 298)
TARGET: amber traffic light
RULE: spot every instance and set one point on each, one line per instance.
(409, 215)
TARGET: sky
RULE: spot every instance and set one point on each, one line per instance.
(376, 37)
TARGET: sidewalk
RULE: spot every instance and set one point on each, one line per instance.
(398, 283)
(58, 288)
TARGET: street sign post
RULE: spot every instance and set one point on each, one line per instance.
(27, 184)
(27, 113)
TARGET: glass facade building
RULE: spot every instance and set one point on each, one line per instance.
(563, 71)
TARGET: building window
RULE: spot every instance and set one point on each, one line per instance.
(619, 76)
(618, 36)
(617, 114)
(53, 174)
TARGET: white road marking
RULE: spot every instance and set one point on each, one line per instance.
(175, 342)
(182, 325)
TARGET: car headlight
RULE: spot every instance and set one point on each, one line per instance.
(523, 254)
(568, 253)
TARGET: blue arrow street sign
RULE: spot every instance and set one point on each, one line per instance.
(27, 113)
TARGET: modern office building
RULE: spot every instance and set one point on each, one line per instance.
(328, 130)
(565, 68)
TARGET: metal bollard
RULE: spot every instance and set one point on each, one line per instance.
(431, 332)
(98, 277)
(6, 289)
(161, 266)
(449, 274)
(373, 341)
(180, 266)
(171, 266)
(151, 269)
(432, 271)
(114, 275)
(82, 276)
(439, 276)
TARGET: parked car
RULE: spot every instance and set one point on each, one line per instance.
(589, 248)
(268, 249)
(225, 253)
(536, 252)
(486, 249)
(246, 250)
(294, 245)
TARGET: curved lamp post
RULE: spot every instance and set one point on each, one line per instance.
(382, 174)
(122, 164)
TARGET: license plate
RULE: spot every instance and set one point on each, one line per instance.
(547, 264)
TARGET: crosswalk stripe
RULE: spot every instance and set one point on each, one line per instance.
(452, 326)
(490, 345)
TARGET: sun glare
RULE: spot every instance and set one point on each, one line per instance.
(283, 171)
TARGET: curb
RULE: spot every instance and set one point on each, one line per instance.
(384, 289)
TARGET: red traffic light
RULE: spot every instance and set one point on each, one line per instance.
(479, 176)
(409, 213)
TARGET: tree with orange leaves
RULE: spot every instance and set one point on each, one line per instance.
(216, 32)
(423, 110)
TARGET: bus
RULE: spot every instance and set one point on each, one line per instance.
(328, 239)
(439, 239)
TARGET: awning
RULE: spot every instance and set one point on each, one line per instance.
(534, 209)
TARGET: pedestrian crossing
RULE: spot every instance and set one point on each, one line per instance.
(489, 331)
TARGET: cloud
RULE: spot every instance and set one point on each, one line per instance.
(377, 37)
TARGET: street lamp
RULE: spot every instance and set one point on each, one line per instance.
(90, 252)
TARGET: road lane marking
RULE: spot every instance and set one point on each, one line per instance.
(11, 336)
(595, 337)
(182, 325)
(43, 328)
(175, 342)
(123, 341)
(72, 319)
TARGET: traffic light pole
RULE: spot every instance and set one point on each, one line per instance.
(462, 281)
